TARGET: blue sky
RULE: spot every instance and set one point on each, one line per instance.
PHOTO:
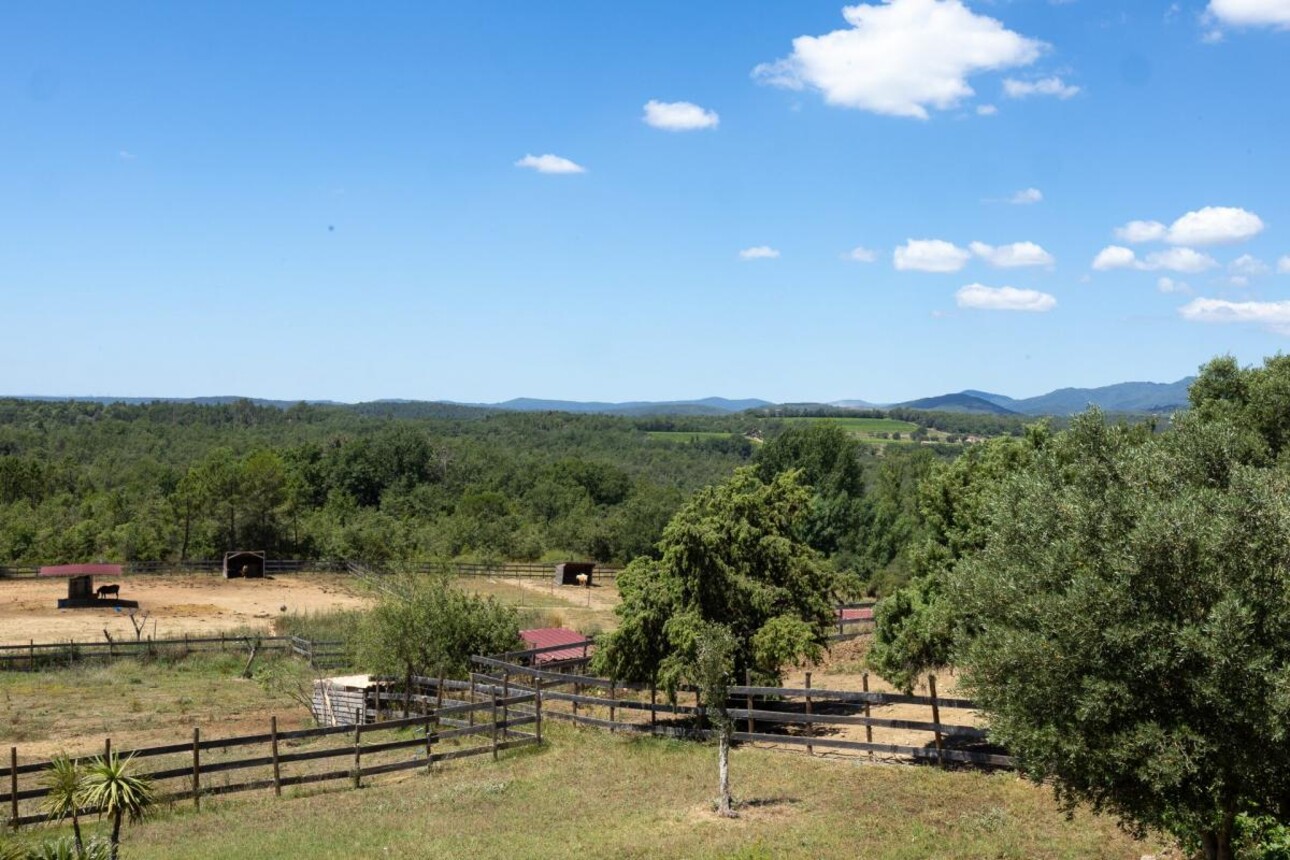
(335, 200)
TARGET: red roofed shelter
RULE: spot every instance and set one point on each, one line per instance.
(553, 637)
(80, 585)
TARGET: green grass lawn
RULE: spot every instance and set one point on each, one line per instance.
(588, 794)
(863, 426)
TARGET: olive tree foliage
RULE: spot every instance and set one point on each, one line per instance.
(915, 626)
(424, 625)
(1126, 623)
(731, 556)
(712, 674)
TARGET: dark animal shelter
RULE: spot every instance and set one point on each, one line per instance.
(244, 563)
(567, 572)
(81, 593)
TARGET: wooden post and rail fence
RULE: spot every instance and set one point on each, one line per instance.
(34, 656)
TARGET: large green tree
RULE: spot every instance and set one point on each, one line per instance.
(731, 556)
(1126, 623)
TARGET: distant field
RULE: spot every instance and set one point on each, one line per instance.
(862, 426)
(684, 435)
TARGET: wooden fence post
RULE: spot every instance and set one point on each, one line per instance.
(13, 786)
(506, 709)
(277, 771)
(494, 727)
(31, 655)
(431, 719)
(653, 703)
(577, 691)
(537, 706)
(107, 749)
(358, 748)
(197, 769)
(438, 698)
(613, 709)
(868, 729)
(748, 700)
(810, 726)
(936, 720)
(470, 715)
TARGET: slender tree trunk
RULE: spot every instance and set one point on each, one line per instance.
(76, 832)
(115, 849)
(188, 526)
(724, 807)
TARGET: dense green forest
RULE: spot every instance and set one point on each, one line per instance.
(387, 482)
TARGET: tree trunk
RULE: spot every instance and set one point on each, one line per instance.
(188, 526)
(724, 807)
(76, 831)
(114, 850)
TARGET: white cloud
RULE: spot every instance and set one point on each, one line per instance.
(1179, 260)
(1214, 225)
(986, 110)
(1174, 259)
(1015, 89)
(1141, 231)
(1003, 299)
(1169, 285)
(1115, 257)
(1248, 266)
(1272, 315)
(550, 164)
(930, 255)
(1212, 37)
(1012, 256)
(1252, 13)
(760, 252)
(1283, 265)
(1027, 196)
(861, 254)
(678, 116)
(901, 57)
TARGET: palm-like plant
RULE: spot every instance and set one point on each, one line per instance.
(63, 780)
(11, 850)
(109, 787)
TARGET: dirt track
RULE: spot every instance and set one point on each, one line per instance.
(176, 604)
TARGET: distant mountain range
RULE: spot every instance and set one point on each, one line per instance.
(1137, 397)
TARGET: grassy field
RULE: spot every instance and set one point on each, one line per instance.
(863, 426)
(588, 794)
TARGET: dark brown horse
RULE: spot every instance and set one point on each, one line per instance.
(105, 590)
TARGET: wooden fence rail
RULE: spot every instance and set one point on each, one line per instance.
(421, 735)
(33, 655)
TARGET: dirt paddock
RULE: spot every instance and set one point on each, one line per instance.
(197, 604)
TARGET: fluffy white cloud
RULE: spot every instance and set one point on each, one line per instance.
(1248, 266)
(550, 164)
(1214, 225)
(901, 57)
(1169, 285)
(1273, 315)
(1015, 89)
(861, 254)
(930, 255)
(1115, 257)
(1003, 299)
(678, 116)
(1283, 265)
(1252, 13)
(1027, 196)
(1141, 231)
(760, 252)
(1174, 259)
(986, 110)
(1012, 256)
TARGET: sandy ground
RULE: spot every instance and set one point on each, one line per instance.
(176, 604)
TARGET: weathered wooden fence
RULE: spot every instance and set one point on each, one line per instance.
(805, 717)
(35, 656)
(504, 570)
(203, 767)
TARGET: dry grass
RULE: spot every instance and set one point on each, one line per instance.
(588, 794)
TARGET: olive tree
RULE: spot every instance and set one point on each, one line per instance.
(1126, 624)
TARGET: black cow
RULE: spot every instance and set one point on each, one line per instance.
(105, 590)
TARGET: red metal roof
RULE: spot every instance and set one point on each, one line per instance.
(546, 637)
(81, 570)
(864, 613)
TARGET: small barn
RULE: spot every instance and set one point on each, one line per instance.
(340, 701)
(244, 562)
(577, 647)
(81, 593)
(567, 572)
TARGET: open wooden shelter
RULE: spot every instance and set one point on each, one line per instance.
(566, 572)
(244, 562)
(80, 586)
